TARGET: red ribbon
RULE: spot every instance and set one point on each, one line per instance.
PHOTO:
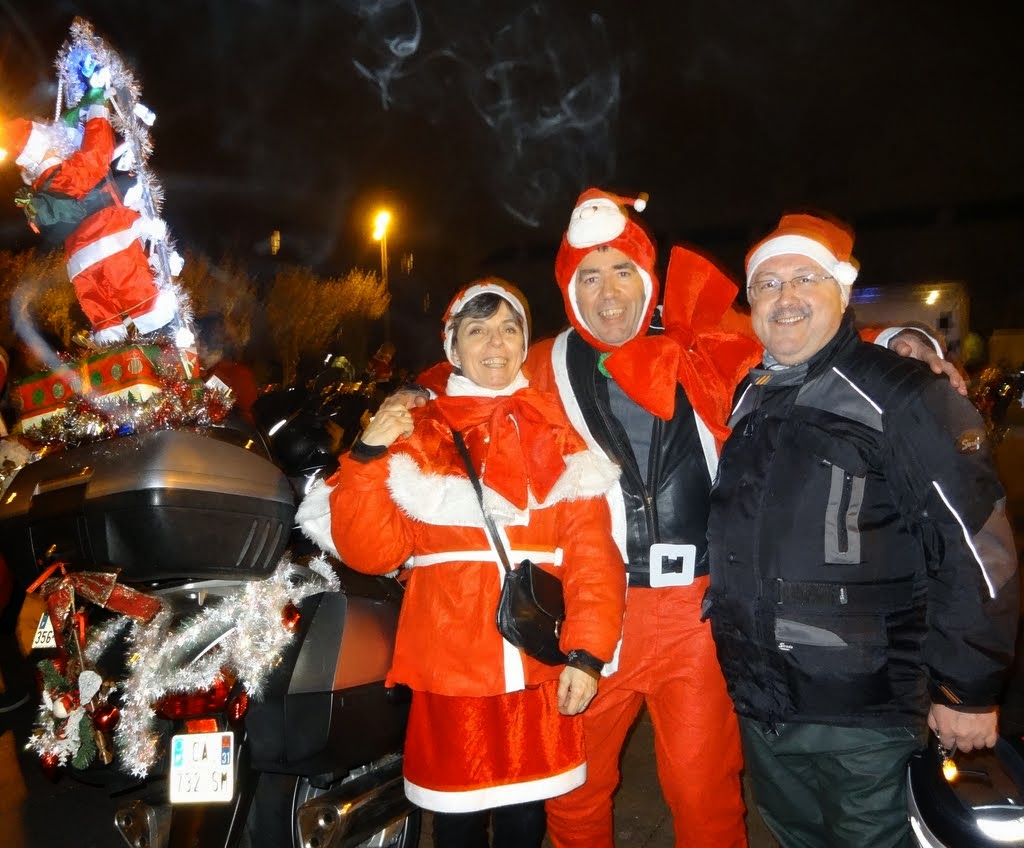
(519, 441)
(98, 587)
(707, 346)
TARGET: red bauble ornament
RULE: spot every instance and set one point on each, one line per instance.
(50, 764)
(106, 717)
(290, 617)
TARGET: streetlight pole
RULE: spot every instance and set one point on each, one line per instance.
(380, 233)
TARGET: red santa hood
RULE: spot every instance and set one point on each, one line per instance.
(601, 219)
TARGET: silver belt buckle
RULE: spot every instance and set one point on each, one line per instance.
(662, 553)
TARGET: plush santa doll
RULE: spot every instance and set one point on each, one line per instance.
(74, 197)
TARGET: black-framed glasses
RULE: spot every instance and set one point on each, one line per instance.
(772, 286)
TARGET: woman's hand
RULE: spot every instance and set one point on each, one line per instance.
(391, 421)
(576, 689)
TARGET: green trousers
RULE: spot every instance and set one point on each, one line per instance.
(822, 786)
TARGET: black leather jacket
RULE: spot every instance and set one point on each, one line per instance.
(671, 507)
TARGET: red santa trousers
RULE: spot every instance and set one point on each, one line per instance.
(110, 271)
(668, 660)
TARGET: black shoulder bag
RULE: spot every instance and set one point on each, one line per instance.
(531, 608)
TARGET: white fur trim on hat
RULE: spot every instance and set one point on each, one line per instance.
(844, 272)
(36, 146)
(473, 292)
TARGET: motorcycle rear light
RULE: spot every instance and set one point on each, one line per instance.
(238, 707)
(187, 705)
(201, 725)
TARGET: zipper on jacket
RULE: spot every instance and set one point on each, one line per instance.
(751, 424)
(842, 531)
(766, 646)
(631, 468)
(654, 480)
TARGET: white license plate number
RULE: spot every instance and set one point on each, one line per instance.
(202, 767)
(44, 637)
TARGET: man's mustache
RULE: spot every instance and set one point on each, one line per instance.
(789, 312)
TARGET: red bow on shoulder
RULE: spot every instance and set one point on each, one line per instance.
(520, 441)
(706, 348)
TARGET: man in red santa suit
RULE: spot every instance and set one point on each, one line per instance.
(74, 197)
(656, 407)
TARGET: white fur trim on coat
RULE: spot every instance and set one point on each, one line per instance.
(443, 499)
(314, 517)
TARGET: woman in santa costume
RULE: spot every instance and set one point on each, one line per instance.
(492, 732)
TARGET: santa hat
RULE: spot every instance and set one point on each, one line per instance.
(26, 140)
(489, 285)
(828, 243)
(601, 219)
(35, 146)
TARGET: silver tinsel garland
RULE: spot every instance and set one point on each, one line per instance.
(243, 633)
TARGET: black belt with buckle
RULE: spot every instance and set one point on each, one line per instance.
(642, 579)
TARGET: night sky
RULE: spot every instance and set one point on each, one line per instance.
(480, 122)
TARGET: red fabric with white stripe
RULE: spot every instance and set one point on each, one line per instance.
(464, 754)
(120, 282)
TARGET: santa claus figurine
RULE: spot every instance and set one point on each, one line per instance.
(73, 197)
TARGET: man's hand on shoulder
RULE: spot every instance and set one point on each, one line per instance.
(914, 344)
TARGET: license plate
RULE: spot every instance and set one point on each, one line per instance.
(202, 767)
(44, 637)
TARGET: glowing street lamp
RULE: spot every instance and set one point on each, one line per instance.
(380, 233)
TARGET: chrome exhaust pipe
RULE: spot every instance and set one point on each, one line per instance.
(144, 826)
(350, 814)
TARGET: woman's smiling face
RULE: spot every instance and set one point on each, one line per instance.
(490, 351)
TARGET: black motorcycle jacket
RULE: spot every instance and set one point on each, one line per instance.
(861, 562)
(664, 505)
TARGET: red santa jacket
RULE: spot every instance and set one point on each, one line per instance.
(418, 507)
(106, 261)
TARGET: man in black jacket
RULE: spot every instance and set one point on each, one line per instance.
(863, 577)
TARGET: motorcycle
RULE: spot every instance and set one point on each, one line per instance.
(250, 710)
(998, 394)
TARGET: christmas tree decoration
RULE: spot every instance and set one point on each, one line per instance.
(50, 765)
(106, 717)
(89, 187)
(290, 618)
(241, 635)
(60, 592)
(118, 391)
